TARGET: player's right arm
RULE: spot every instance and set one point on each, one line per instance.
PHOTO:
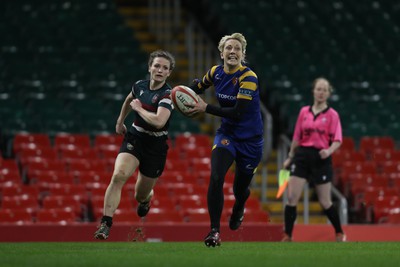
(120, 127)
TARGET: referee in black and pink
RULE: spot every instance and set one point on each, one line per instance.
(317, 135)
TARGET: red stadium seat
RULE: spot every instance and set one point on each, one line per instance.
(43, 152)
(171, 176)
(58, 216)
(88, 177)
(372, 194)
(370, 143)
(16, 216)
(391, 167)
(192, 140)
(192, 202)
(382, 207)
(76, 191)
(7, 176)
(64, 202)
(123, 215)
(253, 203)
(342, 156)
(23, 139)
(46, 179)
(21, 190)
(197, 152)
(9, 165)
(74, 152)
(358, 182)
(98, 202)
(97, 190)
(174, 154)
(177, 165)
(26, 202)
(163, 190)
(164, 216)
(78, 140)
(108, 139)
(256, 216)
(196, 215)
(35, 168)
(348, 144)
(163, 202)
(200, 164)
(393, 218)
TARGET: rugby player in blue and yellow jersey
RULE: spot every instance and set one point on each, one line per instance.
(240, 136)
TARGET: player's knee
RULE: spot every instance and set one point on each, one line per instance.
(325, 203)
(119, 177)
(292, 200)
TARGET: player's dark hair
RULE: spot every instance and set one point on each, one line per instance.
(160, 53)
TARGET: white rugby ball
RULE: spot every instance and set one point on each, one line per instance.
(182, 95)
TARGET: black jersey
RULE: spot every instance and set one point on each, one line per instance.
(151, 100)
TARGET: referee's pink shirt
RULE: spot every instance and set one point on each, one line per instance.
(317, 131)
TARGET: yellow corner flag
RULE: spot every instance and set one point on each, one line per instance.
(284, 176)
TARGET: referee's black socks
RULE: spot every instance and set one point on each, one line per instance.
(290, 218)
(333, 217)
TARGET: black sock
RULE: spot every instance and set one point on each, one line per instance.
(215, 202)
(241, 189)
(107, 220)
(221, 160)
(333, 217)
(290, 218)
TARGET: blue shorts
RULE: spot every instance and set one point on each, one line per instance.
(247, 153)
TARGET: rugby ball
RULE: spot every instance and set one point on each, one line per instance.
(182, 95)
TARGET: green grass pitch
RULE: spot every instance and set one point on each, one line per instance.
(188, 254)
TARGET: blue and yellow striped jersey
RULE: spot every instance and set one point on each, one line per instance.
(241, 83)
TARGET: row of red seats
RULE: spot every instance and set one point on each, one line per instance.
(369, 176)
(84, 203)
(56, 171)
(24, 140)
(64, 216)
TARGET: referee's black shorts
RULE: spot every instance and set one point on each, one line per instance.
(307, 164)
(150, 151)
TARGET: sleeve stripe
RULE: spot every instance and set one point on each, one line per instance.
(249, 85)
(239, 96)
(248, 74)
(208, 77)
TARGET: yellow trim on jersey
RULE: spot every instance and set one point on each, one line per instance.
(207, 79)
(214, 146)
(247, 74)
(239, 96)
(249, 85)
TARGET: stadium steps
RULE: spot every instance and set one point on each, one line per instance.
(136, 14)
(275, 207)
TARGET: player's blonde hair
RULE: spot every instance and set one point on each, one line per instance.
(237, 36)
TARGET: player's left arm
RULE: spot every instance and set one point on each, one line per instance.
(158, 119)
(336, 137)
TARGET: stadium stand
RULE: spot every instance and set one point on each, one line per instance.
(69, 78)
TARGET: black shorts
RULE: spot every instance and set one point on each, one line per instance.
(307, 164)
(150, 151)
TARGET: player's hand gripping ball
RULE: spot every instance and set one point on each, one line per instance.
(182, 95)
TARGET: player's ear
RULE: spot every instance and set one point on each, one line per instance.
(222, 55)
